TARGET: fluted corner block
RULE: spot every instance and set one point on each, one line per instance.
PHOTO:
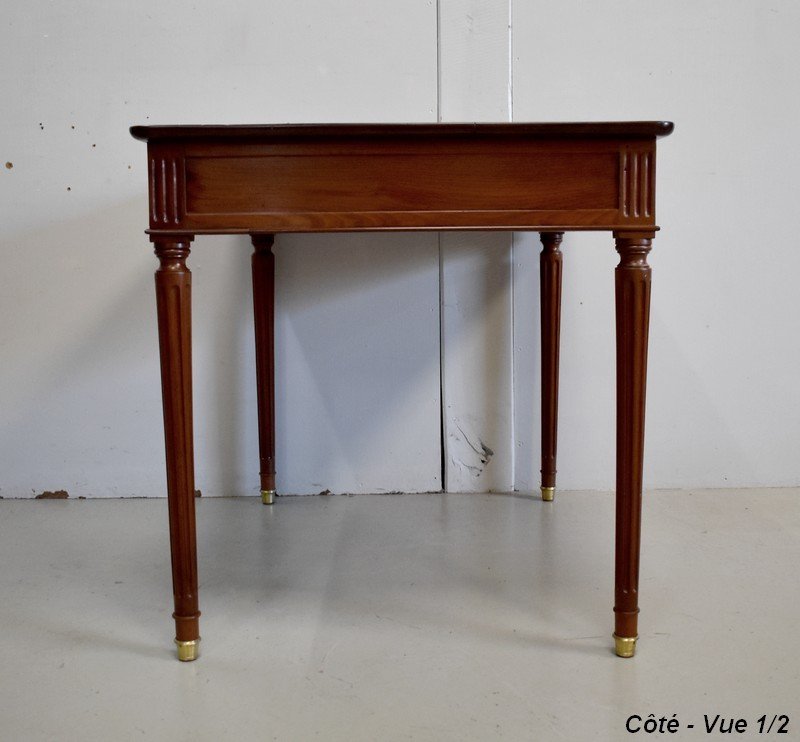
(637, 182)
(167, 191)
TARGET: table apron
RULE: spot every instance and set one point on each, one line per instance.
(198, 187)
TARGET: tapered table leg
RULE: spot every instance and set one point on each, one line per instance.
(264, 320)
(632, 278)
(174, 300)
(550, 298)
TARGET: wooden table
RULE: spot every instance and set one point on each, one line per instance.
(262, 180)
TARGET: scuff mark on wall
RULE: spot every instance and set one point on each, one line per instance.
(475, 471)
(471, 457)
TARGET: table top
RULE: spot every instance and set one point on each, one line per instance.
(261, 132)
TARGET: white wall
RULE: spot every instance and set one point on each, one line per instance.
(723, 403)
(357, 316)
(79, 388)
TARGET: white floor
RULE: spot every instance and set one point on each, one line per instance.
(394, 617)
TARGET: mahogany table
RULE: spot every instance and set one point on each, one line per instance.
(262, 180)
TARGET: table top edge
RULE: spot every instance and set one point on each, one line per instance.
(266, 132)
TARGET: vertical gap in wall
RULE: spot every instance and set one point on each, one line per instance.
(511, 267)
(510, 60)
(513, 374)
(442, 438)
(438, 61)
(443, 470)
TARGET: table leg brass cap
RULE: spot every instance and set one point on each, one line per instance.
(625, 646)
(188, 651)
(268, 496)
(548, 493)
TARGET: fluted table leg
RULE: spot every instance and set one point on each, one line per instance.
(264, 319)
(632, 278)
(173, 298)
(550, 299)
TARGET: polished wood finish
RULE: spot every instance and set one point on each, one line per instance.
(550, 300)
(263, 264)
(368, 177)
(632, 278)
(261, 180)
(174, 306)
